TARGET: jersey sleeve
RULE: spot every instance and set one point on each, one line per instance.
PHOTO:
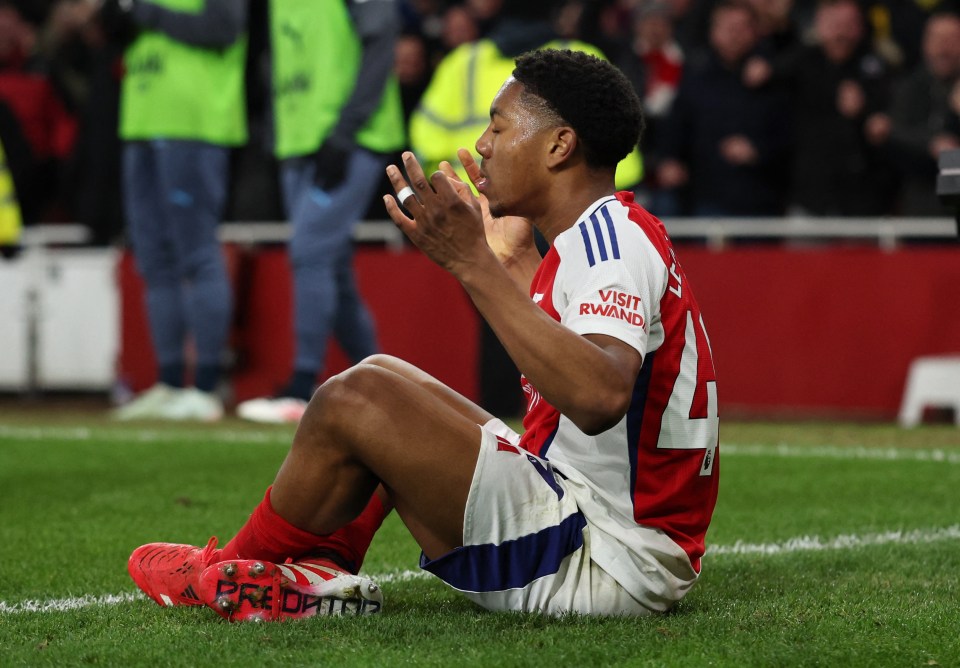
(610, 281)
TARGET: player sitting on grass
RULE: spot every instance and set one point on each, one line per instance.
(601, 506)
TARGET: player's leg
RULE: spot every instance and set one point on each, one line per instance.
(269, 536)
(442, 392)
(371, 425)
(367, 426)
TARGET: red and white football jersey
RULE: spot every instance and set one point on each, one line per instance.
(615, 273)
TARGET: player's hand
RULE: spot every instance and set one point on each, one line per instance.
(445, 225)
(509, 237)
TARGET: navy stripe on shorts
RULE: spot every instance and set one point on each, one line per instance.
(512, 564)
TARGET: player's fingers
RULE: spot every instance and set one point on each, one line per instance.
(469, 164)
(449, 172)
(399, 219)
(405, 194)
(417, 178)
(444, 187)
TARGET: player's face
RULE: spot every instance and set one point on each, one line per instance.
(509, 149)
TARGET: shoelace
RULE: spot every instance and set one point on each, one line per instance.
(206, 555)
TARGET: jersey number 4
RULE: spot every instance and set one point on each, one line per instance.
(692, 407)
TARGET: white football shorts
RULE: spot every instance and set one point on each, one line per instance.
(526, 545)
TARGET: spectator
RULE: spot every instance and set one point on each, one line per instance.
(459, 27)
(485, 13)
(412, 70)
(840, 88)
(49, 128)
(63, 43)
(90, 63)
(896, 27)
(924, 124)
(337, 116)
(691, 23)
(724, 140)
(424, 18)
(181, 111)
(654, 61)
(775, 25)
(653, 64)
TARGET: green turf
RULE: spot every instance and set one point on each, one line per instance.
(77, 494)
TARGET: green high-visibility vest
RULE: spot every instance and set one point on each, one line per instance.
(173, 90)
(316, 58)
(455, 109)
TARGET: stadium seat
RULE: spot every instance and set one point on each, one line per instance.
(933, 381)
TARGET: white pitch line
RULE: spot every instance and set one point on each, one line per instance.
(141, 435)
(792, 545)
(937, 455)
(841, 542)
(69, 604)
(132, 435)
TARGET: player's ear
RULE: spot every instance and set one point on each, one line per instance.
(563, 142)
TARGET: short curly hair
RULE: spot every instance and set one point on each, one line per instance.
(588, 94)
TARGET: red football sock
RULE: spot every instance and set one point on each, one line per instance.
(269, 537)
(348, 545)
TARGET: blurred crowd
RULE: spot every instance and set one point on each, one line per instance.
(754, 107)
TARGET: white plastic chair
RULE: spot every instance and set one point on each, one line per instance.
(932, 381)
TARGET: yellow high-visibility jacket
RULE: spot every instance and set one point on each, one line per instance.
(11, 224)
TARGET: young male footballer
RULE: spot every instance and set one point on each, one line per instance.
(601, 506)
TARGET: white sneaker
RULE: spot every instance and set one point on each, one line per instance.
(192, 404)
(275, 411)
(147, 404)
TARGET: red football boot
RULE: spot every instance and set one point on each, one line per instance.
(251, 590)
(168, 573)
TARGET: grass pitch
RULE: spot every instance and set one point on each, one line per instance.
(832, 545)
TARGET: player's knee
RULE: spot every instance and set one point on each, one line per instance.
(339, 405)
(381, 360)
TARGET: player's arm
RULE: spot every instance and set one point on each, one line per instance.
(587, 378)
